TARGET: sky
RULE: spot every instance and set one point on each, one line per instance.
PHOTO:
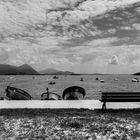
(84, 36)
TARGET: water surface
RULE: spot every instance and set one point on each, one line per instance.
(37, 85)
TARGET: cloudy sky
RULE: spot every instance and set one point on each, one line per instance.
(78, 35)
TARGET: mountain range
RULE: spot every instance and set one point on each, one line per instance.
(50, 71)
(138, 73)
(14, 70)
(26, 69)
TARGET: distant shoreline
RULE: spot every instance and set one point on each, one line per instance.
(65, 74)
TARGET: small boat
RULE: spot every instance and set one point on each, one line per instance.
(11, 77)
(50, 96)
(55, 77)
(52, 83)
(115, 79)
(102, 81)
(73, 93)
(135, 80)
(81, 79)
(97, 78)
(13, 93)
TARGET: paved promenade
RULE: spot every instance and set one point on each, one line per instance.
(90, 104)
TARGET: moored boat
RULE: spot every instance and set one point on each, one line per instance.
(55, 77)
(97, 78)
(135, 80)
(50, 96)
(52, 83)
(102, 81)
(74, 93)
(81, 79)
(115, 79)
(13, 93)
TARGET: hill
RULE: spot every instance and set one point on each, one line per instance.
(138, 73)
(27, 70)
(13, 70)
(7, 69)
(50, 71)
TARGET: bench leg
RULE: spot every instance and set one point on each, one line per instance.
(104, 106)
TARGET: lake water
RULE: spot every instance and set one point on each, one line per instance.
(36, 86)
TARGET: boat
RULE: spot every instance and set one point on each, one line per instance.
(135, 80)
(74, 93)
(52, 83)
(55, 77)
(13, 93)
(11, 77)
(115, 79)
(50, 96)
(102, 81)
(97, 78)
(81, 79)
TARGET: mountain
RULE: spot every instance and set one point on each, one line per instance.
(138, 73)
(50, 71)
(13, 70)
(7, 69)
(27, 69)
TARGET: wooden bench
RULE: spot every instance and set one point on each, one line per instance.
(119, 97)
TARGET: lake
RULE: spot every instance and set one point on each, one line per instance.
(36, 85)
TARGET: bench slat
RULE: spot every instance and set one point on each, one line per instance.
(120, 97)
(120, 100)
(125, 94)
(120, 92)
(138, 96)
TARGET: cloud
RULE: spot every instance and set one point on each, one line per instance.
(30, 18)
(130, 57)
(114, 60)
(112, 31)
(136, 26)
(4, 56)
(64, 33)
(128, 28)
(124, 56)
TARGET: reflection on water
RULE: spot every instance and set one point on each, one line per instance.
(37, 85)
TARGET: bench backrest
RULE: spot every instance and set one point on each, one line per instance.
(120, 97)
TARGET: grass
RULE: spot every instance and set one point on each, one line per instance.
(69, 124)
